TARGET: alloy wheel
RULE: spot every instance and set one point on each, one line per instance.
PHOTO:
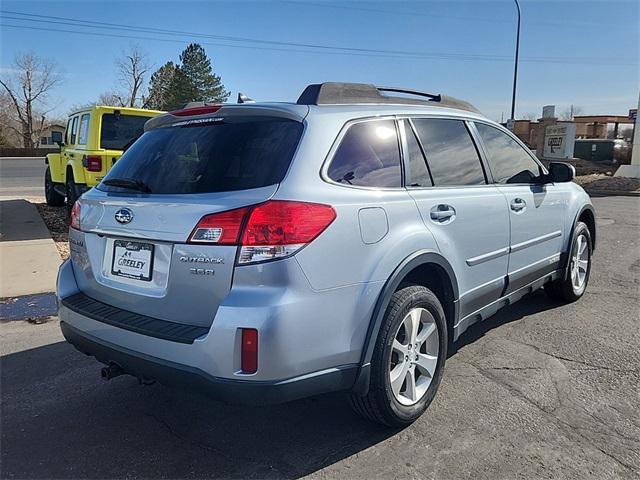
(414, 356)
(580, 263)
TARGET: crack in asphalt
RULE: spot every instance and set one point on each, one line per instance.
(573, 430)
(572, 360)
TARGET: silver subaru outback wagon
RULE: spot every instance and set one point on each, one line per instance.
(264, 252)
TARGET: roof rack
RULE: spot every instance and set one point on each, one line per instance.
(334, 93)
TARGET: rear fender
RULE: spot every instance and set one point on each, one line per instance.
(361, 385)
(54, 160)
(78, 171)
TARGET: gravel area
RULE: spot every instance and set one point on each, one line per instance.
(55, 218)
(600, 182)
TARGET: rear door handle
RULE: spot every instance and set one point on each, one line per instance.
(443, 213)
(518, 204)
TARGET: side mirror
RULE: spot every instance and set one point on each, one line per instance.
(561, 172)
(56, 137)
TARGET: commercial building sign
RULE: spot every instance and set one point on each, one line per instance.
(559, 140)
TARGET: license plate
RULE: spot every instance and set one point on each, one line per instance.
(132, 260)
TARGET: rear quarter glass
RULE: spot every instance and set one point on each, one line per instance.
(119, 129)
(210, 156)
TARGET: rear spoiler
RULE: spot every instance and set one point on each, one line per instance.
(288, 111)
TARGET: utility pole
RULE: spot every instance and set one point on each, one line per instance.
(515, 69)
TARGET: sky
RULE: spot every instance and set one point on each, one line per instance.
(571, 52)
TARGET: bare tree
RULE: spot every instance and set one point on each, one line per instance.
(133, 68)
(113, 99)
(570, 112)
(529, 116)
(28, 86)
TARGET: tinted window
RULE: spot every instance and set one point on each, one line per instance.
(451, 154)
(509, 162)
(84, 129)
(119, 130)
(235, 154)
(368, 155)
(418, 174)
(74, 130)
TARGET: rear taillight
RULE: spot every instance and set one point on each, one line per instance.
(74, 219)
(249, 354)
(93, 163)
(271, 230)
(280, 228)
(220, 228)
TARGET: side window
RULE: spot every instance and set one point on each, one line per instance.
(451, 154)
(417, 171)
(74, 131)
(509, 162)
(369, 155)
(84, 129)
(67, 133)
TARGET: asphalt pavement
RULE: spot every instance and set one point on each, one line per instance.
(541, 390)
(22, 177)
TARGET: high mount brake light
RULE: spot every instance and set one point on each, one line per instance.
(187, 112)
(270, 230)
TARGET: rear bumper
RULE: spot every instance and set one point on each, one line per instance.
(233, 391)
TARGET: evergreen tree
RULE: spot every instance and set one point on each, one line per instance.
(191, 80)
(160, 87)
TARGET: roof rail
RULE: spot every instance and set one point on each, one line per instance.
(334, 93)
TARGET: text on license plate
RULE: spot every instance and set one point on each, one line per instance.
(132, 260)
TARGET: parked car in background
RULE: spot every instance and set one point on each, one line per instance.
(93, 141)
(265, 252)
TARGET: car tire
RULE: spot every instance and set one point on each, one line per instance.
(72, 192)
(573, 285)
(53, 198)
(388, 401)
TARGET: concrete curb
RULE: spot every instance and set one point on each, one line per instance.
(29, 258)
(612, 193)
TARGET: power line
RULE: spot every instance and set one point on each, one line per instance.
(563, 24)
(259, 44)
(114, 26)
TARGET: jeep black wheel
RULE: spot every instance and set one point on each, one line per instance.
(408, 359)
(52, 197)
(72, 192)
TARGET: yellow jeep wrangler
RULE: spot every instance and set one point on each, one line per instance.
(94, 140)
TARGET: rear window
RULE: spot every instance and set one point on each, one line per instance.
(119, 130)
(217, 156)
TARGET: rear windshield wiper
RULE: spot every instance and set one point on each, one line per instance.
(128, 183)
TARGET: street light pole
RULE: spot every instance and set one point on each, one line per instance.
(515, 69)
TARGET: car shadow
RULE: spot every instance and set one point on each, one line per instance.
(535, 302)
(20, 220)
(59, 420)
